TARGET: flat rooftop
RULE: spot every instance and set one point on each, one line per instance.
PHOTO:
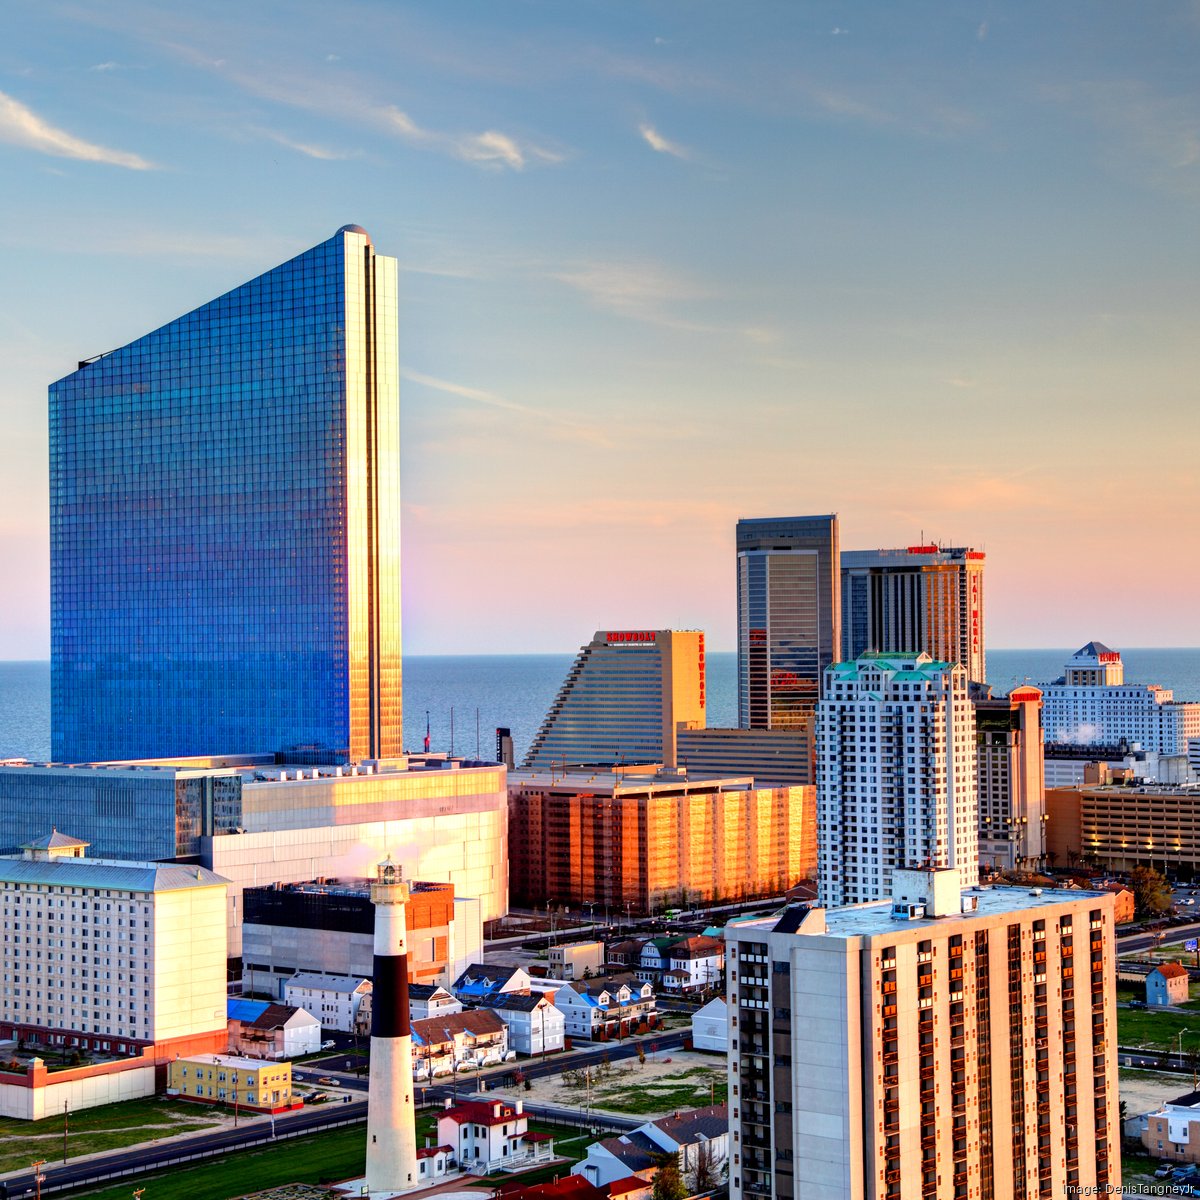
(875, 919)
(255, 768)
(627, 781)
(357, 887)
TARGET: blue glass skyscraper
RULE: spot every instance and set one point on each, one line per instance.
(224, 525)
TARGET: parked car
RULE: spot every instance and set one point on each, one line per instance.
(328, 1044)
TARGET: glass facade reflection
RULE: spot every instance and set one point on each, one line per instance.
(789, 615)
(225, 567)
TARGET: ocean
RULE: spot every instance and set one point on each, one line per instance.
(467, 697)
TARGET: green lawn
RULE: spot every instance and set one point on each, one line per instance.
(687, 1089)
(95, 1129)
(1136, 1165)
(321, 1158)
(1158, 1030)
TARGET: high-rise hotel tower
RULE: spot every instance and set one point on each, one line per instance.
(912, 599)
(225, 524)
(789, 617)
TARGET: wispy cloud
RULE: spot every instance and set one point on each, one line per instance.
(21, 126)
(639, 290)
(656, 141)
(311, 149)
(960, 381)
(1157, 130)
(575, 429)
(107, 66)
(488, 149)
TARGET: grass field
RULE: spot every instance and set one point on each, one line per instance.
(319, 1158)
(1158, 1030)
(687, 1089)
(95, 1129)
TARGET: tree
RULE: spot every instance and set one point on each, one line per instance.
(641, 1053)
(668, 1179)
(1151, 893)
(707, 1174)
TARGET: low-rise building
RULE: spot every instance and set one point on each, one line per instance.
(434, 1162)
(479, 981)
(462, 1041)
(431, 1000)
(699, 1136)
(230, 1079)
(599, 1009)
(576, 960)
(492, 1135)
(262, 1029)
(535, 1025)
(627, 952)
(1173, 1131)
(1167, 984)
(333, 999)
(710, 1027)
(694, 964)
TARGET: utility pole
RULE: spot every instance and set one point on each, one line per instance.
(38, 1176)
(65, 1122)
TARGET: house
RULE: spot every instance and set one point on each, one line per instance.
(710, 1027)
(434, 1162)
(492, 1135)
(535, 1025)
(247, 1083)
(576, 960)
(632, 1187)
(261, 1029)
(654, 959)
(478, 981)
(430, 1000)
(695, 1135)
(694, 964)
(333, 999)
(565, 1187)
(1126, 908)
(598, 1009)
(1173, 1131)
(459, 1041)
(1167, 984)
(627, 953)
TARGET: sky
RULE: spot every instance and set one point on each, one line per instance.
(931, 266)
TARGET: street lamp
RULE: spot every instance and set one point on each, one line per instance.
(38, 1177)
(1180, 1035)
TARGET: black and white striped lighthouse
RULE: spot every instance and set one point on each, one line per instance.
(391, 1115)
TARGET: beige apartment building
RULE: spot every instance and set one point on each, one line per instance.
(948, 1044)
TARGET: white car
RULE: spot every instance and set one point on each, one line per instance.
(328, 1045)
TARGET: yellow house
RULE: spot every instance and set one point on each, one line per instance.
(248, 1083)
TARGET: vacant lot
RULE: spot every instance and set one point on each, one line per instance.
(675, 1079)
(111, 1127)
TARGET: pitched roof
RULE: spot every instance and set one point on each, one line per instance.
(430, 1151)
(1092, 649)
(275, 1016)
(327, 983)
(53, 841)
(237, 1009)
(631, 1183)
(426, 991)
(480, 978)
(434, 1031)
(517, 1001)
(567, 1187)
(635, 1150)
(481, 1112)
(1171, 970)
(117, 874)
(691, 1126)
(1188, 1100)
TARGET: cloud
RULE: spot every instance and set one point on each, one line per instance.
(960, 381)
(488, 149)
(107, 66)
(639, 290)
(575, 429)
(310, 148)
(656, 141)
(21, 126)
(982, 32)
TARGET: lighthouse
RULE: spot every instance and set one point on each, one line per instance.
(391, 1116)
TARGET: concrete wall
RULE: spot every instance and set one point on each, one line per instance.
(33, 1103)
